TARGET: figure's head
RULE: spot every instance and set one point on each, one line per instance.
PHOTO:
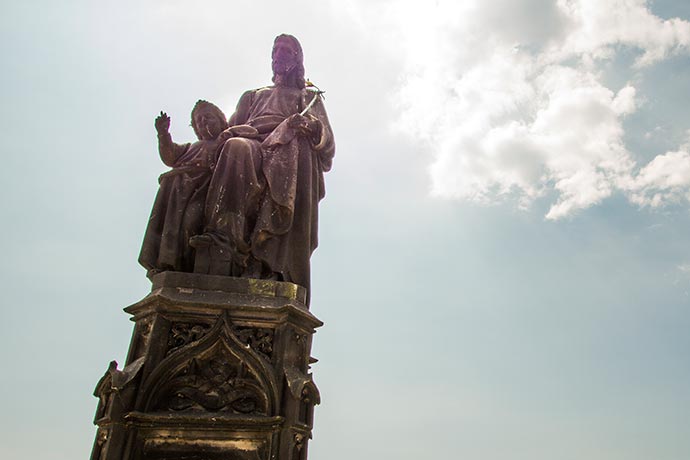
(208, 121)
(287, 62)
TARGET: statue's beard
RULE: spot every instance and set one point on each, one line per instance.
(283, 68)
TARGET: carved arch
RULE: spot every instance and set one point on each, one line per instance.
(218, 373)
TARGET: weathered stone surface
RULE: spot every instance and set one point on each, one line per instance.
(218, 364)
(218, 367)
(243, 200)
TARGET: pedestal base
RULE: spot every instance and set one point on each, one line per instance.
(218, 368)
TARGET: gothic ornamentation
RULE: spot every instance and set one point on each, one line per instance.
(219, 382)
(182, 334)
(258, 339)
(145, 330)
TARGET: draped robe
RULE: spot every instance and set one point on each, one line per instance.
(178, 209)
(263, 197)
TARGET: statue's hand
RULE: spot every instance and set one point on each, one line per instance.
(225, 135)
(305, 126)
(162, 123)
(314, 127)
(246, 131)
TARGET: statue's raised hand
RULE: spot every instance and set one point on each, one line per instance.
(162, 123)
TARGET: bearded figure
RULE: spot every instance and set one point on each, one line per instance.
(262, 203)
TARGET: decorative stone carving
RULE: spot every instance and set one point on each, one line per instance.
(145, 329)
(236, 384)
(214, 372)
(258, 339)
(216, 383)
(182, 334)
(299, 444)
(99, 444)
(218, 365)
(303, 389)
(104, 390)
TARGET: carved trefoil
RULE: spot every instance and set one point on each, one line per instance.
(216, 374)
(223, 373)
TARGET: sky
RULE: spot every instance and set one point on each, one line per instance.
(504, 260)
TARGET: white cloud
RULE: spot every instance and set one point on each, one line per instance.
(666, 179)
(598, 26)
(509, 97)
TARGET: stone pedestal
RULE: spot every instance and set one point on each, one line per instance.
(218, 368)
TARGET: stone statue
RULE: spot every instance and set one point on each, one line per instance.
(178, 210)
(262, 204)
(219, 366)
(261, 201)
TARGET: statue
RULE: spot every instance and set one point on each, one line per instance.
(178, 210)
(260, 211)
(220, 366)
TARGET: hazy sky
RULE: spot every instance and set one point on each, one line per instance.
(504, 260)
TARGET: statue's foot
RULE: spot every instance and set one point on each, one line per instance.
(275, 276)
(253, 268)
(153, 272)
(201, 241)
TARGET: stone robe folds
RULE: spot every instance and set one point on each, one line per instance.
(178, 210)
(263, 199)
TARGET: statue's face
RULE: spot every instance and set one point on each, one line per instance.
(284, 57)
(208, 123)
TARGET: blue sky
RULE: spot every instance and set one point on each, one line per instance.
(504, 260)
